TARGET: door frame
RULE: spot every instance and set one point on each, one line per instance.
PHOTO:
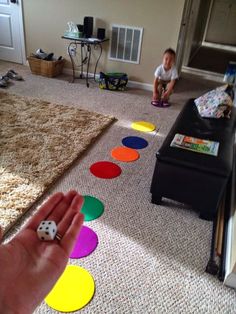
(22, 33)
(184, 39)
(184, 34)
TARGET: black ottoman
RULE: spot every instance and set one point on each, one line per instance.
(193, 178)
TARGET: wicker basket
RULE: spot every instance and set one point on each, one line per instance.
(45, 68)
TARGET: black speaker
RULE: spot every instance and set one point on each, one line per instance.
(88, 26)
(101, 33)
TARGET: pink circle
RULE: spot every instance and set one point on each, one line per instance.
(105, 170)
(86, 243)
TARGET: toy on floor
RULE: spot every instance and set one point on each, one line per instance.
(92, 208)
(86, 243)
(124, 154)
(105, 170)
(73, 290)
(47, 230)
(135, 142)
(143, 126)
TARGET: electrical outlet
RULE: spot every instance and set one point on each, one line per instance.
(72, 51)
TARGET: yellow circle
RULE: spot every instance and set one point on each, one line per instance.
(143, 126)
(73, 290)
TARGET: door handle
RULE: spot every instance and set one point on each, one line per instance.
(13, 1)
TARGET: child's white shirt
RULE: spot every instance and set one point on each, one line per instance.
(164, 75)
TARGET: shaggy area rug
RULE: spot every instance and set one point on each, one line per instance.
(38, 142)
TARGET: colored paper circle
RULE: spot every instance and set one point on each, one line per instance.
(73, 290)
(143, 126)
(86, 243)
(92, 208)
(124, 154)
(105, 170)
(135, 142)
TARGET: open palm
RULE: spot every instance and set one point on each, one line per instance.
(30, 267)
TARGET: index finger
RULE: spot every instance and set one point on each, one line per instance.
(45, 210)
(69, 239)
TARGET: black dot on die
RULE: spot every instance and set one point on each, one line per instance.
(49, 223)
(40, 228)
(47, 233)
(42, 238)
(43, 223)
(53, 230)
(47, 228)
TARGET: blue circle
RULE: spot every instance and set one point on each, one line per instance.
(134, 142)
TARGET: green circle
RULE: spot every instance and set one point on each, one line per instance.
(92, 208)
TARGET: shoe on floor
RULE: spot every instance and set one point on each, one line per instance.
(4, 81)
(165, 104)
(156, 103)
(14, 76)
(5, 78)
(160, 103)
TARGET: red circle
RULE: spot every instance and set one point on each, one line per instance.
(105, 170)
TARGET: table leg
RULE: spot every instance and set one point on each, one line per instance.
(72, 62)
(82, 60)
(85, 56)
(88, 63)
(95, 69)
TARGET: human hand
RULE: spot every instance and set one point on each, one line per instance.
(165, 95)
(30, 267)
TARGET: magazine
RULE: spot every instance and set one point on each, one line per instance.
(195, 144)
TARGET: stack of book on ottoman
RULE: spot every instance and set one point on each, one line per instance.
(195, 144)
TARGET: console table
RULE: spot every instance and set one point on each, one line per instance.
(86, 45)
(193, 178)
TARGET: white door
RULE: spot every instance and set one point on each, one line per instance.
(222, 23)
(11, 31)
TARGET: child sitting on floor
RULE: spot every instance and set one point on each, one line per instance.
(165, 78)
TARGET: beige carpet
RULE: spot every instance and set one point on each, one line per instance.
(150, 259)
(39, 141)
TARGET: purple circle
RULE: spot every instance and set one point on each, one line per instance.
(86, 243)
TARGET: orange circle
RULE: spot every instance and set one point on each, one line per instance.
(126, 154)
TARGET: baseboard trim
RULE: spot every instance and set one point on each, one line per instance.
(207, 75)
(132, 84)
(144, 86)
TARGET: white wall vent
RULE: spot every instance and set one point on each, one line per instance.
(125, 43)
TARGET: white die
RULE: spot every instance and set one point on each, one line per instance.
(47, 230)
